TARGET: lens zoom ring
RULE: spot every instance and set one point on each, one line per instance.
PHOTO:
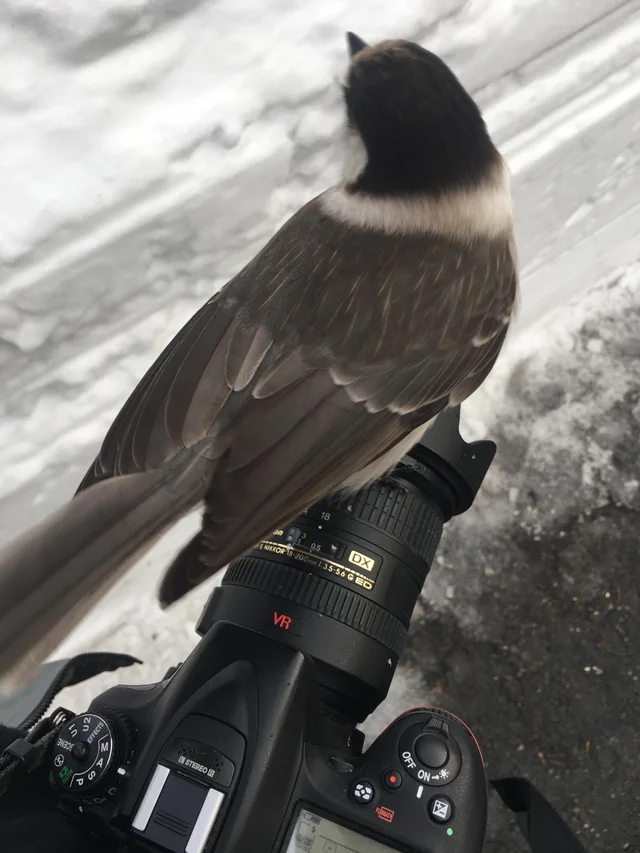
(398, 511)
(322, 596)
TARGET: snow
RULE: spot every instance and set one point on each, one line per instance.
(556, 405)
(564, 124)
(113, 110)
(86, 126)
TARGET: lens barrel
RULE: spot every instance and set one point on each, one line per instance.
(341, 581)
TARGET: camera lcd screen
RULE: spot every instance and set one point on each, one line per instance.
(315, 834)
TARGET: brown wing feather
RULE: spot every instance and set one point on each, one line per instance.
(261, 484)
(117, 456)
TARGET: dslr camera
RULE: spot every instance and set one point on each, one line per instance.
(252, 744)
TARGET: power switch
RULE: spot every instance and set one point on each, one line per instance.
(432, 751)
(437, 725)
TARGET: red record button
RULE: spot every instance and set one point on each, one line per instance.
(392, 780)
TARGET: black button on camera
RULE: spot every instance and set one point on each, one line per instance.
(392, 780)
(362, 791)
(440, 809)
(432, 751)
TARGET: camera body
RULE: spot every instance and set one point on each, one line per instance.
(234, 752)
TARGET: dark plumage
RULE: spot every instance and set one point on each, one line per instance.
(319, 364)
(411, 149)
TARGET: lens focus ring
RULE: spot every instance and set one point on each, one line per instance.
(322, 596)
(398, 510)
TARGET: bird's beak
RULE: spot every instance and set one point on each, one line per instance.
(355, 44)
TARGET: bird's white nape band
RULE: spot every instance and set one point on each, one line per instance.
(484, 210)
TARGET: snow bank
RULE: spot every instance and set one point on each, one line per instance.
(101, 101)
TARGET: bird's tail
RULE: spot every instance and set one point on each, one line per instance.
(52, 574)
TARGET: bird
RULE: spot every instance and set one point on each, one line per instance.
(377, 304)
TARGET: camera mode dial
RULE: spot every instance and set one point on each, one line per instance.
(89, 754)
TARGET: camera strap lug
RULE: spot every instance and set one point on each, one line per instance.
(29, 752)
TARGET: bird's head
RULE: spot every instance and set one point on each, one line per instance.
(419, 129)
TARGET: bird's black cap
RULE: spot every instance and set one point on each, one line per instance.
(422, 130)
(356, 44)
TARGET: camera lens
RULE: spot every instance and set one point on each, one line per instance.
(340, 581)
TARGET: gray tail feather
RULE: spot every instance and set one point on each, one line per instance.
(53, 574)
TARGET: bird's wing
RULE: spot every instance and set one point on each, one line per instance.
(303, 371)
(397, 324)
(320, 356)
(143, 434)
